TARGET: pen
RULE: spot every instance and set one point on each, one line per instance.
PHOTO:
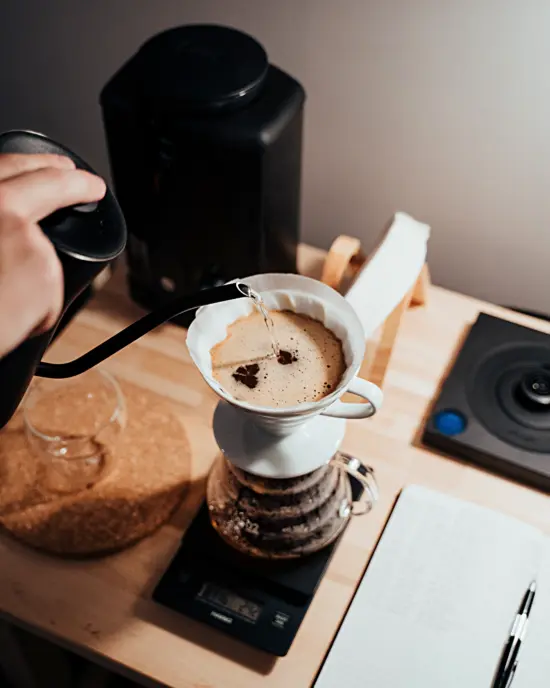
(509, 658)
(512, 674)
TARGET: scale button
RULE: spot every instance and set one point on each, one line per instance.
(450, 422)
(280, 620)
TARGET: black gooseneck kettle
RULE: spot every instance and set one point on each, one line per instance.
(86, 238)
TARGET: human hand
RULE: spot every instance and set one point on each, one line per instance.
(31, 279)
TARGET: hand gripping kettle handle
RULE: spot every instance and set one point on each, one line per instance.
(86, 239)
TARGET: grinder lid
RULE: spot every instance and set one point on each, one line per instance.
(200, 68)
(92, 231)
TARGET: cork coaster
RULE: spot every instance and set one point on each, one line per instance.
(146, 475)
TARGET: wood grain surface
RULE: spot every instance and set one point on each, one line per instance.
(102, 608)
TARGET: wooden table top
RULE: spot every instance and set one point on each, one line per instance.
(102, 608)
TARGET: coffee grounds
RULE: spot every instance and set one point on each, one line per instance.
(286, 357)
(248, 375)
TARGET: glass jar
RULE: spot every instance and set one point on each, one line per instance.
(288, 517)
(72, 425)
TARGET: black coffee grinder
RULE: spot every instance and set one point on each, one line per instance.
(205, 143)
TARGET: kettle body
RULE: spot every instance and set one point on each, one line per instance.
(86, 238)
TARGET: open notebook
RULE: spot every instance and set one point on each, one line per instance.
(437, 601)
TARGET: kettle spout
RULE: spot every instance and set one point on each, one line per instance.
(206, 297)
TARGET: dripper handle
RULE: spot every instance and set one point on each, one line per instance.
(362, 388)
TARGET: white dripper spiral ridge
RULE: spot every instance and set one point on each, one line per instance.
(280, 292)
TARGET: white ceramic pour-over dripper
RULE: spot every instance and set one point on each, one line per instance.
(291, 441)
(301, 295)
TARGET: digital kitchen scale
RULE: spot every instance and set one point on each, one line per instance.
(261, 602)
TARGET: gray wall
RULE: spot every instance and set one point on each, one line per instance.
(440, 108)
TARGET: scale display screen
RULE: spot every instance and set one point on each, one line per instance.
(230, 601)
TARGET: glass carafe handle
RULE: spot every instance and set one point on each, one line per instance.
(355, 468)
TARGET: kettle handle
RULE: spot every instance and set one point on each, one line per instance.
(114, 344)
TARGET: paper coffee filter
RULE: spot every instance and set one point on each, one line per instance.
(279, 292)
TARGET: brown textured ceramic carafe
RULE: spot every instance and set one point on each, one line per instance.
(289, 517)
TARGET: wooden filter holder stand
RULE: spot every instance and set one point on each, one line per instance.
(343, 266)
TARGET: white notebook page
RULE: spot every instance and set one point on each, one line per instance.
(436, 603)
